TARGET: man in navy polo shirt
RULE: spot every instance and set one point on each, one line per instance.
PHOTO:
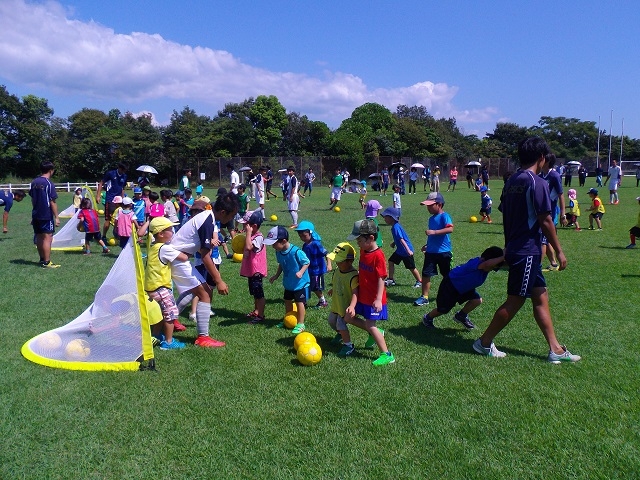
(44, 216)
(6, 199)
(113, 183)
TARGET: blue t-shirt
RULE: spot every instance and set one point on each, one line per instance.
(316, 253)
(439, 243)
(554, 180)
(524, 197)
(291, 261)
(399, 233)
(138, 209)
(113, 184)
(468, 276)
(42, 192)
(6, 199)
(485, 202)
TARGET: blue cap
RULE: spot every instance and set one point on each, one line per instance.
(276, 233)
(392, 212)
(137, 190)
(483, 188)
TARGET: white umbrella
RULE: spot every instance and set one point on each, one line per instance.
(574, 163)
(355, 181)
(375, 175)
(245, 169)
(146, 169)
(473, 164)
(417, 165)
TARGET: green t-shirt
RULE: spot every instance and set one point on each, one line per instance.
(244, 201)
(338, 181)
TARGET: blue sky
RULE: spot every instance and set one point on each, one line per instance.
(480, 62)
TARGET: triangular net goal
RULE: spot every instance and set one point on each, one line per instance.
(113, 332)
(70, 210)
(68, 237)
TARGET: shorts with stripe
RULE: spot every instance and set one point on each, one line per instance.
(525, 274)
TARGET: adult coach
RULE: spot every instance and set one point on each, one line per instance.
(615, 175)
(113, 184)
(526, 211)
(293, 199)
(7, 198)
(44, 216)
(185, 181)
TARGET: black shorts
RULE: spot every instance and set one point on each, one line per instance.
(409, 262)
(255, 286)
(297, 295)
(205, 274)
(525, 274)
(597, 215)
(97, 236)
(437, 262)
(448, 296)
(43, 226)
(635, 231)
(316, 283)
(109, 210)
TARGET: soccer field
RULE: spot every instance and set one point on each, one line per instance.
(250, 410)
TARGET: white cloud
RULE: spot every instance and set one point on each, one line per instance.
(42, 46)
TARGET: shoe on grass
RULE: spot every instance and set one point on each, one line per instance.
(390, 282)
(463, 319)
(208, 342)
(421, 301)
(299, 328)
(371, 342)
(192, 317)
(280, 325)
(174, 345)
(178, 327)
(384, 359)
(337, 340)
(490, 351)
(346, 350)
(49, 264)
(427, 321)
(417, 285)
(322, 304)
(565, 357)
(256, 320)
(551, 268)
(631, 245)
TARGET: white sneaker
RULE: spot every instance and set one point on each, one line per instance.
(192, 317)
(566, 357)
(212, 313)
(490, 351)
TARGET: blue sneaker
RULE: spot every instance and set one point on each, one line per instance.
(346, 350)
(421, 301)
(174, 345)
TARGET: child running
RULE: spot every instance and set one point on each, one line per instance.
(90, 224)
(573, 210)
(485, 204)
(344, 296)
(319, 262)
(596, 209)
(460, 286)
(403, 246)
(372, 293)
(254, 262)
(294, 265)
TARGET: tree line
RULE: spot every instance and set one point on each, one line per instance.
(89, 141)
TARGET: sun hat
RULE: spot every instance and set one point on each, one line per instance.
(363, 227)
(199, 205)
(156, 210)
(159, 224)
(147, 188)
(252, 217)
(137, 190)
(572, 194)
(305, 225)
(433, 198)
(343, 251)
(392, 212)
(483, 188)
(593, 191)
(276, 233)
(117, 199)
(127, 201)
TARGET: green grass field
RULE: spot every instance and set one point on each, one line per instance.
(251, 411)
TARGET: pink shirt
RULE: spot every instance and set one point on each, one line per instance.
(254, 260)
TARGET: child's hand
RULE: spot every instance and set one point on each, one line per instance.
(298, 274)
(377, 305)
(222, 287)
(423, 249)
(349, 313)
(330, 292)
(430, 232)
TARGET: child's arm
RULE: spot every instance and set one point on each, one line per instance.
(300, 272)
(276, 275)
(406, 246)
(377, 303)
(182, 257)
(442, 231)
(143, 228)
(489, 265)
(329, 266)
(350, 311)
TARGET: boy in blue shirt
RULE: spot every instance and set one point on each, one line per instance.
(460, 286)
(437, 251)
(294, 264)
(319, 262)
(6, 199)
(485, 204)
(403, 246)
(139, 205)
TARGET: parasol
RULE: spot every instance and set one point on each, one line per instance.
(146, 169)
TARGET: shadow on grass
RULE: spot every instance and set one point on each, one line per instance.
(629, 275)
(612, 248)
(21, 261)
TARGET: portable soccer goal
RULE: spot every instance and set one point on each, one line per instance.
(113, 333)
(68, 237)
(71, 210)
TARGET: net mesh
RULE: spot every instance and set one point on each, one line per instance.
(112, 333)
(70, 210)
(68, 237)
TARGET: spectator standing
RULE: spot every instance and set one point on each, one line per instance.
(44, 216)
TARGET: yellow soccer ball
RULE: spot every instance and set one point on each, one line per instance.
(290, 319)
(111, 241)
(309, 354)
(49, 341)
(237, 244)
(77, 349)
(473, 219)
(336, 209)
(304, 337)
(274, 218)
(101, 212)
(237, 258)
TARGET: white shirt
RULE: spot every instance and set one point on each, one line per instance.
(235, 181)
(615, 173)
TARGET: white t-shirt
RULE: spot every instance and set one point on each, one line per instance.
(196, 233)
(615, 173)
(235, 181)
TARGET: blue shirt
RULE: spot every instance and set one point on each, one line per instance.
(6, 199)
(315, 252)
(113, 184)
(291, 261)
(42, 192)
(524, 197)
(554, 180)
(399, 233)
(468, 276)
(138, 209)
(439, 243)
(485, 202)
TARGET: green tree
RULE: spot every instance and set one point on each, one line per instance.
(269, 118)
(568, 137)
(233, 130)
(503, 142)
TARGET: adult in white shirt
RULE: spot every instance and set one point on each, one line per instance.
(235, 178)
(615, 175)
(292, 196)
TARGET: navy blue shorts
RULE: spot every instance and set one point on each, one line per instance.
(448, 296)
(97, 236)
(298, 295)
(525, 274)
(255, 286)
(434, 262)
(316, 283)
(43, 226)
(367, 312)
